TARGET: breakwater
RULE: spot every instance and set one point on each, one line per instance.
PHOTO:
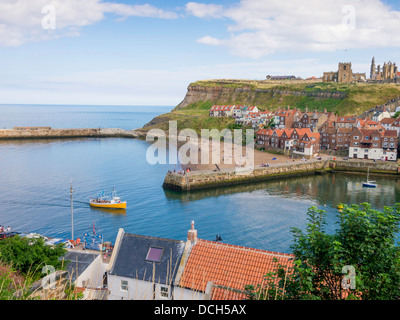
(49, 133)
(199, 180)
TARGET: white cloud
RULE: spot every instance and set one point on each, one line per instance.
(202, 10)
(261, 27)
(210, 41)
(21, 20)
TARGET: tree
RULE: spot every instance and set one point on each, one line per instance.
(361, 260)
(29, 256)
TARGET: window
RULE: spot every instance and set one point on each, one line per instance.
(164, 292)
(376, 138)
(355, 143)
(375, 144)
(124, 285)
(154, 254)
(355, 137)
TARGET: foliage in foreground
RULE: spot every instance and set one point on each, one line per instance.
(29, 256)
(21, 264)
(361, 260)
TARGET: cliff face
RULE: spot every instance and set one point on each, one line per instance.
(248, 96)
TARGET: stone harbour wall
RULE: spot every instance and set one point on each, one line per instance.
(48, 133)
(361, 166)
(209, 179)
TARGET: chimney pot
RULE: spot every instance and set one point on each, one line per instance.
(192, 233)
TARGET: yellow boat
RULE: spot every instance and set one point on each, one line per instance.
(104, 202)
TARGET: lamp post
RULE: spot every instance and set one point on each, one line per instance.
(72, 213)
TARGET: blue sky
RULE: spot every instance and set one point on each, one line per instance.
(125, 52)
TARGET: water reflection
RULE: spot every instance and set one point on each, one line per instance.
(327, 190)
(117, 212)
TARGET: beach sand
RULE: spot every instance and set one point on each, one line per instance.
(226, 160)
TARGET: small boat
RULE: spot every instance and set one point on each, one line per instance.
(340, 206)
(102, 201)
(369, 183)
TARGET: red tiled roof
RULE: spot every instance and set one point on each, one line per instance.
(387, 120)
(265, 132)
(390, 133)
(346, 119)
(221, 108)
(228, 266)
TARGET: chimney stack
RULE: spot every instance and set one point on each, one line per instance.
(192, 233)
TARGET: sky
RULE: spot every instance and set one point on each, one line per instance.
(125, 52)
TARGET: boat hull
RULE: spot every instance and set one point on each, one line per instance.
(121, 205)
(369, 185)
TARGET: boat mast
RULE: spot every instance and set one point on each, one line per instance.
(72, 212)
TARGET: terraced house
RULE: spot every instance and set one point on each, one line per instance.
(378, 144)
(314, 120)
(299, 142)
(221, 111)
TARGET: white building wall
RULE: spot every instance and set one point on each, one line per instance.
(186, 294)
(92, 277)
(136, 290)
(372, 153)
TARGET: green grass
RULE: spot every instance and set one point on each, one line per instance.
(192, 119)
(353, 98)
(343, 99)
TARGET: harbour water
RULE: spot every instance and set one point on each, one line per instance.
(35, 178)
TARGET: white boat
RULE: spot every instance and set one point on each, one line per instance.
(369, 183)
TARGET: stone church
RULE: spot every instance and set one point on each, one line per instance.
(344, 74)
(388, 72)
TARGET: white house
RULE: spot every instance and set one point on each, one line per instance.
(86, 270)
(379, 115)
(143, 268)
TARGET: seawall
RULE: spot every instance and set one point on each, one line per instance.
(199, 180)
(361, 167)
(49, 133)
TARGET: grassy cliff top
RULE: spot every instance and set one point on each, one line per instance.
(356, 97)
(341, 98)
(302, 85)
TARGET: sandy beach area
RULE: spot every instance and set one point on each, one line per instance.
(225, 160)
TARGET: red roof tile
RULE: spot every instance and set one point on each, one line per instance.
(229, 267)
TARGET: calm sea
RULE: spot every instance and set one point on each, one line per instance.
(35, 178)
